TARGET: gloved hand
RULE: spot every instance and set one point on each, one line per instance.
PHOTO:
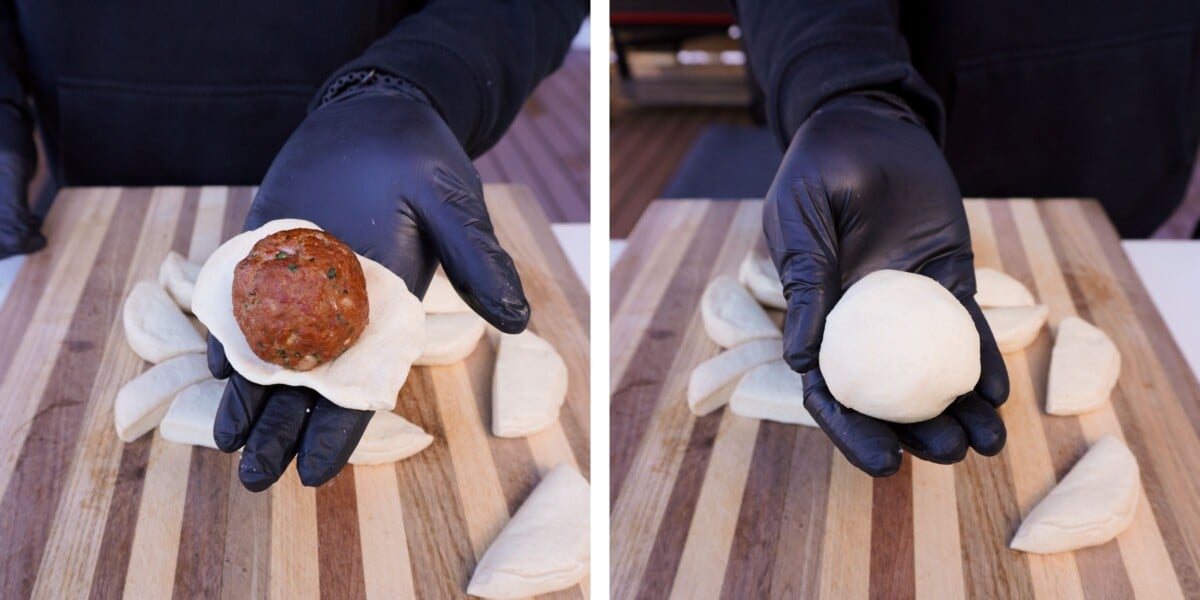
(864, 187)
(379, 169)
(20, 230)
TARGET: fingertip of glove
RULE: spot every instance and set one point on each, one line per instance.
(315, 472)
(882, 463)
(989, 441)
(253, 477)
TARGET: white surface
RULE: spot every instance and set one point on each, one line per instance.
(1170, 270)
(573, 237)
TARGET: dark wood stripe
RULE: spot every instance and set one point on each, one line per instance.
(187, 222)
(199, 565)
(764, 499)
(1100, 565)
(438, 544)
(108, 580)
(237, 204)
(247, 540)
(636, 397)
(893, 571)
(514, 462)
(659, 574)
(39, 475)
(802, 526)
(987, 517)
(340, 556)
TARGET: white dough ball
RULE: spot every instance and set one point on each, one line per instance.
(899, 347)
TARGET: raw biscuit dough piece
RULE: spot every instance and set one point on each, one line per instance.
(178, 276)
(155, 327)
(1015, 327)
(1084, 367)
(723, 369)
(899, 347)
(142, 402)
(389, 438)
(450, 337)
(192, 414)
(772, 392)
(544, 547)
(441, 298)
(357, 379)
(1093, 504)
(759, 276)
(529, 385)
(732, 316)
(996, 289)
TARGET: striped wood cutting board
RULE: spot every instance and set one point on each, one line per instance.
(723, 506)
(86, 515)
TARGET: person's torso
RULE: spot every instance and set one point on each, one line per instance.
(1096, 99)
(183, 93)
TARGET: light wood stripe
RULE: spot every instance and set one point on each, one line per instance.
(636, 517)
(247, 540)
(210, 215)
(474, 472)
(937, 561)
(387, 566)
(294, 543)
(846, 552)
(155, 548)
(1027, 451)
(25, 378)
(715, 520)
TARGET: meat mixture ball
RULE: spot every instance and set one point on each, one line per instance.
(300, 298)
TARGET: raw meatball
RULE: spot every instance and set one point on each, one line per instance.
(300, 298)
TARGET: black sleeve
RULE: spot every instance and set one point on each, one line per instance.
(806, 52)
(17, 151)
(477, 60)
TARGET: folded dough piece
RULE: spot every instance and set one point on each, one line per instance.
(731, 316)
(772, 392)
(142, 402)
(996, 289)
(1015, 327)
(529, 385)
(725, 368)
(1084, 367)
(544, 547)
(1093, 504)
(450, 337)
(367, 376)
(760, 277)
(389, 438)
(155, 327)
(441, 298)
(178, 276)
(192, 414)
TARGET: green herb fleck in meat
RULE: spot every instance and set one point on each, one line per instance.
(293, 267)
(331, 273)
(281, 255)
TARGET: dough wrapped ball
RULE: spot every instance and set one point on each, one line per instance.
(300, 298)
(899, 347)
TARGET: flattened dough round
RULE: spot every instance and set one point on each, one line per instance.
(450, 337)
(899, 347)
(1084, 368)
(192, 414)
(996, 289)
(772, 392)
(367, 376)
(178, 275)
(529, 385)
(155, 327)
(759, 276)
(441, 298)
(1015, 327)
(389, 438)
(143, 401)
(731, 316)
(1093, 504)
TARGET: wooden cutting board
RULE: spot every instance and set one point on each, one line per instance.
(84, 514)
(724, 506)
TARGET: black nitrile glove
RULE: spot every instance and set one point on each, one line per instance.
(20, 230)
(864, 187)
(379, 169)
